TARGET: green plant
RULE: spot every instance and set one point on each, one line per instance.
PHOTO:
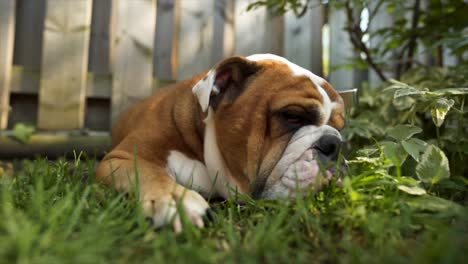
(437, 115)
(23, 132)
(54, 212)
(416, 27)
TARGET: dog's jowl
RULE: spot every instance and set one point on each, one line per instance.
(257, 125)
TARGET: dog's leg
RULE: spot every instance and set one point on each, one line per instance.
(159, 193)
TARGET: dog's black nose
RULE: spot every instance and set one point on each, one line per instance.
(329, 146)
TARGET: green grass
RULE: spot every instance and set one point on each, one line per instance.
(54, 212)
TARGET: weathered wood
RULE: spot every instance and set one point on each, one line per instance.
(381, 20)
(360, 75)
(55, 145)
(29, 29)
(316, 15)
(341, 51)
(133, 66)
(250, 29)
(303, 39)
(297, 39)
(101, 48)
(64, 64)
(98, 86)
(28, 42)
(195, 38)
(223, 30)
(274, 34)
(23, 109)
(97, 117)
(102, 36)
(7, 27)
(26, 78)
(22, 80)
(165, 40)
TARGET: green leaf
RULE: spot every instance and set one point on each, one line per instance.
(403, 103)
(440, 110)
(403, 132)
(353, 195)
(408, 181)
(397, 85)
(407, 92)
(22, 132)
(413, 190)
(435, 204)
(433, 165)
(452, 91)
(394, 152)
(414, 147)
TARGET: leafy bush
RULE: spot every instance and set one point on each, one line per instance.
(416, 129)
(436, 114)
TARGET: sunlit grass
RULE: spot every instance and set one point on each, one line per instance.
(54, 212)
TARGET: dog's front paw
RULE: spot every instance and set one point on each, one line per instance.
(167, 209)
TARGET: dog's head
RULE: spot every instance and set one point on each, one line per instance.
(271, 127)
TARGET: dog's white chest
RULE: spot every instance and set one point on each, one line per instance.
(189, 173)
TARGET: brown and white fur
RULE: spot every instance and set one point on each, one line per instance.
(257, 125)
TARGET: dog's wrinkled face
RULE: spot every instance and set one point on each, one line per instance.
(275, 125)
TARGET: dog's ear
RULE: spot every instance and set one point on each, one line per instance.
(226, 81)
(337, 117)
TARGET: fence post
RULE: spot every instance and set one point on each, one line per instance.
(132, 79)
(28, 45)
(250, 35)
(101, 49)
(303, 39)
(7, 27)
(274, 33)
(223, 30)
(64, 64)
(165, 40)
(341, 50)
(195, 38)
(381, 20)
(316, 15)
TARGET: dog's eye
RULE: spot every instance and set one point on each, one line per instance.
(293, 120)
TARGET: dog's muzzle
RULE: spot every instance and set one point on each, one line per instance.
(317, 166)
(312, 159)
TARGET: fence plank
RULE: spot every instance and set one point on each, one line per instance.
(7, 24)
(28, 44)
(341, 51)
(303, 39)
(274, 34)
(316, 15)
(381, 20)
(223, 30)
(250, 35)
(64, 64)
(132, 78)
(101, 48)
(195, 38)
(165, 40)
(102, 36)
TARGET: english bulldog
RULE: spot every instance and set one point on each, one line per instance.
(257, 125)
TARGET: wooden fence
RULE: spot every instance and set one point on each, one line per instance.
(75, 64)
